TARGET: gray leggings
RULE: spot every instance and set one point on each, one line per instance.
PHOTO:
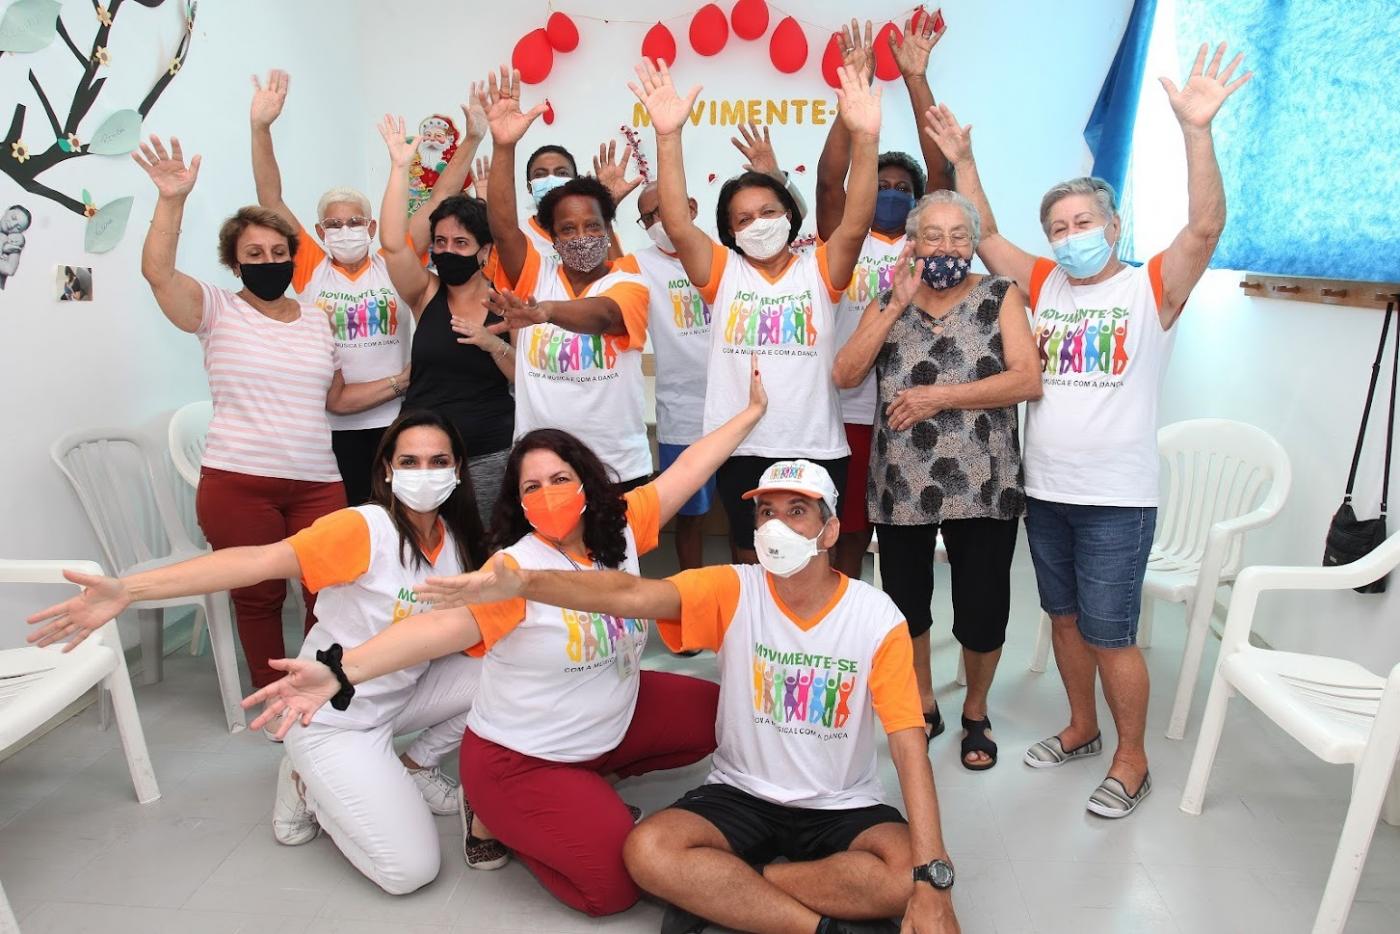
(486, 472)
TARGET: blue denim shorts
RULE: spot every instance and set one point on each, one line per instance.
(699, 504)
(1089, 563)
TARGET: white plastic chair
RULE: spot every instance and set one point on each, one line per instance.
(1223, 479)
(187, 433)
(940, 556)
(118, 482)
(1338, 710)
(8, 923)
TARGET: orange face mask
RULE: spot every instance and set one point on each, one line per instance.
(554, 511)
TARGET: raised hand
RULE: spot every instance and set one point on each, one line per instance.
(953, 140)
(401, 146)
(668, 110)
(268, 99)
(501, 103)
(517, 312)
(102, 599)
(905, 277)
(307, 686)
(1198, 101)
(612, 171)
(912, 54)
(475, 113)
(481, 174)
(498, 581)
(758, 150)
(859, 103)
(858, 48)
(167, 169)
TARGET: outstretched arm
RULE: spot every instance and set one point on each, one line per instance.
(502, 105)
(453, 177)
(104, 598)
(912, 55)
(668, 112)
(1002, 257)
(616, 593)
(267, 177)
(598, 314)
(1195, 106)
(178, 295)
(860, 112)
(406, 272)
(857, 51)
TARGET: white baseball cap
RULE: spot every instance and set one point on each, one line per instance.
(799, 476)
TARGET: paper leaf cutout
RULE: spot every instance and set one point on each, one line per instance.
(118, 134)
(28, 25)
(87, 198)
(106, 227)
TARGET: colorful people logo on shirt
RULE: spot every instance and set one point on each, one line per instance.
(689, 311)
(871, 277)
(594, 636)
(798, 692)
(554, 350)
(754, 320)
(1082, 342)
(360, 316)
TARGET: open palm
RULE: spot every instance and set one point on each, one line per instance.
(401, 146)
(102, 599)
(954, 140)
(912, 54)
(668, 110)
(497, 581)
(859, 103)
(1198, 100)
(612, 171)
(502, 105)
(306, 687)
(167, 169)
(269, 98)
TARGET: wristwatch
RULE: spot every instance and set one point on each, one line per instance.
(938, 874)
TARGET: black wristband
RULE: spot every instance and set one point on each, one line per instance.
(330, 657)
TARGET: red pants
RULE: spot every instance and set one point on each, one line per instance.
(240, 509)
(562, 819)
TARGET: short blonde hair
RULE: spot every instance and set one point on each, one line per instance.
(253, 216)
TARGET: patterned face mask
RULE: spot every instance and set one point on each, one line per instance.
(944, 271)
(583, 254)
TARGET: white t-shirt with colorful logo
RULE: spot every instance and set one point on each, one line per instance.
(368, 319)
(1091, 439)
(679, 321)
(590, 385)
(788, 323)
(538, 238)
(798, 697)
(561, 684)
(352, 560)
(872, 277)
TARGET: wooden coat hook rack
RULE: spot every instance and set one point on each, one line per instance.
(1323, 291)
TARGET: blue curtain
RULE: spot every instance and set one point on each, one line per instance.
(1109, 131)
(1308, 149)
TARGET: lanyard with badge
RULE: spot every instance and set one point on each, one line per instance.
(626, 652)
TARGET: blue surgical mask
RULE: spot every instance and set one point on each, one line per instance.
(539, 187)
(1084, 254)
(892, 208)
(944, 271)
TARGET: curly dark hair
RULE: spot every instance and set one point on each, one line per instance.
(470, 213)
(753, 180)
(902, 160)
(604, 519)
(458, 513)
(548, 148)
(583, 185)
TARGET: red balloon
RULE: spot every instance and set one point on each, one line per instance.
(788, 47)
(886, 68)
(659, 45)
(548, 114)
(709, 30)
(749, 19)
(533, 57)
(832, 60)
(562, 32)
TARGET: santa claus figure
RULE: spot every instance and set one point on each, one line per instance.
(437, 141)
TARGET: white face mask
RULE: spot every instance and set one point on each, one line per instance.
(539, 187)
(765, 237)
(424, 490)
(781, 551)
(658, 236)
(348, 245)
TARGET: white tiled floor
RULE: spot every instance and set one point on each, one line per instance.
(78, 854)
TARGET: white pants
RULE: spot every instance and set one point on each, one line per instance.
(364, 797)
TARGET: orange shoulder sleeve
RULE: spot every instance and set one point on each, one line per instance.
(496, 620)
(709, 600)
(1039, 272)
(332, 550)
(644, 516)
(719, 257)
(893, 690)
(309, 256)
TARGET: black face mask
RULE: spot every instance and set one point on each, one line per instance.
(454, 268)
(267, 281)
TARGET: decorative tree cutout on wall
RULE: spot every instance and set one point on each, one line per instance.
(26, 166)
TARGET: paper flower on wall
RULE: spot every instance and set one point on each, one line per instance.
(174, 68)
(103, 17)
(89, 205)
(70, 143)
(101, 56)
(19, 151)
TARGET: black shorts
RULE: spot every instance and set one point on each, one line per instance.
(760, 831)
(741, 473)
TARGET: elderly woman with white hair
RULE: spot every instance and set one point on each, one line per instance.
(953, 355)
(350, 283)
(1103, 330)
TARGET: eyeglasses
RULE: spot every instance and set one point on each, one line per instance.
(938, 237)
(335, 223)
(647, 218)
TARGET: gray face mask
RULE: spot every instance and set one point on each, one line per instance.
(583, 254)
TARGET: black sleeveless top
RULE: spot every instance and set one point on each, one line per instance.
(460, 381)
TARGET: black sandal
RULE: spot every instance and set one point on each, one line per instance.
(934, 725)
(977, 740)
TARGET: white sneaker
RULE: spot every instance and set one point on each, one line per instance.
(293, 823)
(437, 788)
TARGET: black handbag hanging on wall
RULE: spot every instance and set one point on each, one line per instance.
(1350, 538)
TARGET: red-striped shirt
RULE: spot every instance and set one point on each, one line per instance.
(268, 380)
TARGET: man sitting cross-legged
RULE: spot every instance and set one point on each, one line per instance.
(808, 658)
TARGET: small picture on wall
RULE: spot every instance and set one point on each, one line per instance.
(74, 284)
(14, 221)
